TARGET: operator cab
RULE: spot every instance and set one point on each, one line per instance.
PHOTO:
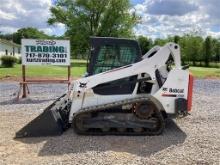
(108, 53)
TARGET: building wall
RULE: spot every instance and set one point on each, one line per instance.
(9, 48)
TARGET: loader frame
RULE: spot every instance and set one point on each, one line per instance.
(147, 90)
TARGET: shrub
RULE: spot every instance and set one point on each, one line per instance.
(19, 61)
(8, 61)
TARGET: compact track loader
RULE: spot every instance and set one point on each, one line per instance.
(123, 93)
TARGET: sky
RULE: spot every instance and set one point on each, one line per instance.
(159, 18)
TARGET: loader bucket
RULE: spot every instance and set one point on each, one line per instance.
(49, 123)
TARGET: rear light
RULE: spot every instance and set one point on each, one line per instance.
(190, 92)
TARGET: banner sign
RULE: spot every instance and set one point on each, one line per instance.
(45, 52)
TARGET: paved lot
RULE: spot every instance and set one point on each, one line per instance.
(192, 140)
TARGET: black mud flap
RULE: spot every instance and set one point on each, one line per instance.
(49, 123)
(181, 107)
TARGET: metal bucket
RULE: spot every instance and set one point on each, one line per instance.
(53, 121)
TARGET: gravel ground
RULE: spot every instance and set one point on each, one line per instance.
(192, 140)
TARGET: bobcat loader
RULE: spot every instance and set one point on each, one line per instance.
(123, 93)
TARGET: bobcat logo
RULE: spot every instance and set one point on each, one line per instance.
(165, 89)
(82, 85)
(175, 90)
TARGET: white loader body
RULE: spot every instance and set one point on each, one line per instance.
(175, 86)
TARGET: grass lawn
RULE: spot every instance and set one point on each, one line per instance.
(201, 72)
(78, 69)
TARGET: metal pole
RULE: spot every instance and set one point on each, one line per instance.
(69, 73)
(24, 79)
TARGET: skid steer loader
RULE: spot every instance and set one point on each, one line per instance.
(124, 93)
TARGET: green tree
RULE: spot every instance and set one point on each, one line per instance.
(216, 55)
(145, 44)
(183, 48)
(28, 32)
(176, 39)
(82, 18)
(208, 48)
(160, 41)
(191, 48)
(6, 36)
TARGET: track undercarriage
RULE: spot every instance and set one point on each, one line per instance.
(142, 119)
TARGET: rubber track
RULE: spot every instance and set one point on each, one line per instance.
(112, 105)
